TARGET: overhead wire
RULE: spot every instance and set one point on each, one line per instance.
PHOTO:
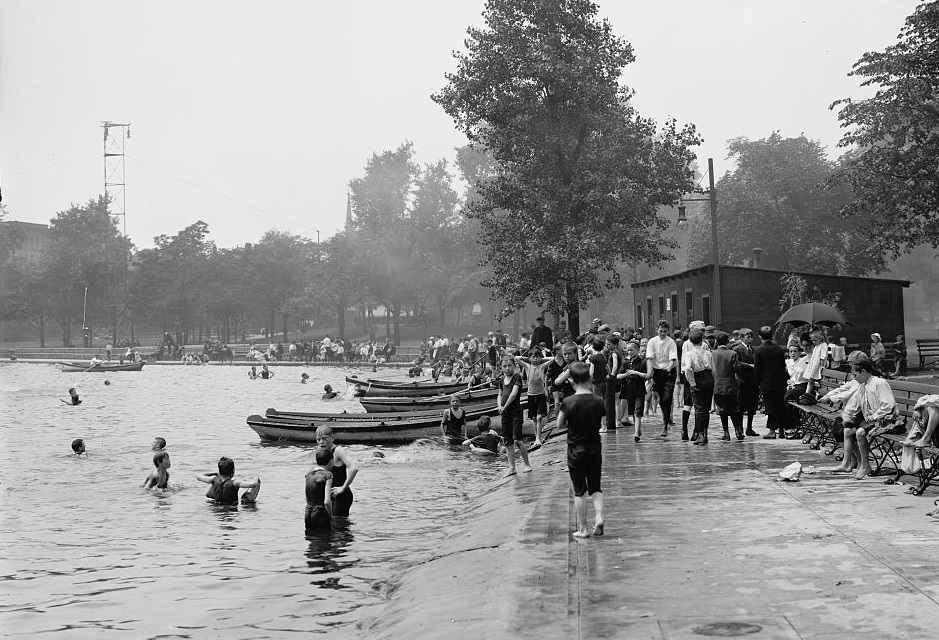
(217, 193)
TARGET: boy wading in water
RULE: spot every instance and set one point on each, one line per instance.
(510, 408)
(319, 484)
(581, 415)
(225, 485)
(159, 478)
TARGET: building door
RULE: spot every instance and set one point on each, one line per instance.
(706, 309)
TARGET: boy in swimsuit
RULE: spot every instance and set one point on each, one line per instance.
(330, 394)
(319, 484)
(487, 441)
(78, 446)
(253, 373)
(158, 444)
(73, 395)
(344, 469)
(510, 408)
(161, 477)
(304, 377)
(581, 414)
(224, 485)
(453, 425)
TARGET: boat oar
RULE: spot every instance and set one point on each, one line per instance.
(90, 368)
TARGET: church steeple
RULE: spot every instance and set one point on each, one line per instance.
(348, 212)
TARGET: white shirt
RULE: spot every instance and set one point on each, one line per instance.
(695, 357)
(873, 399)
(842, 393)
(662, 351)
(813, 370)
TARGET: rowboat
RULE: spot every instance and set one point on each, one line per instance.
(369, 429)
(472, 413)
(406, 388)
(469, 399)
(101, 367)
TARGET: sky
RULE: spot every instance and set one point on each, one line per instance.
(255, 115)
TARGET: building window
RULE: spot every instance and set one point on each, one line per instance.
(661, 306)
(639, 323)
(689, 306)
(649, 310)
(673, 299)
(706, 309)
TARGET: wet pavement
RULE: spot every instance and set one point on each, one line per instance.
(699, 542)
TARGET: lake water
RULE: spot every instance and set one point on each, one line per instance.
(88, 553)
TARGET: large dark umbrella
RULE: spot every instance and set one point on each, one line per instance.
(813, 313)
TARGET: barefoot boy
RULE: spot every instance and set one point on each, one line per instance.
(224, 485)
(510, 408)
(581, 415)
(633, 393)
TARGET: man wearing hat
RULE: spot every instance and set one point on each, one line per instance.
(769, 369)
(838, 397)
(542, 334)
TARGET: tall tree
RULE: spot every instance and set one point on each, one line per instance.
(169, 281)
(893, 139)
(774, 199)
(280, 264)
(380, 200)
(578, 169)
(87, 252)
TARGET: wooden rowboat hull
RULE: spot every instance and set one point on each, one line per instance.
(368, 431)
(415, 388)
(469, 400)
(106, 367)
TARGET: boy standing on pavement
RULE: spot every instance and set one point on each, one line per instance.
(662, 353)
(581, 414)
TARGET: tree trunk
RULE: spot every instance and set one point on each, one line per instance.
(270, 327)
(397, 325)
(516, 325)
(42, 330)
(387, 322)
(573, 312)
(283, 318)
(341, 319)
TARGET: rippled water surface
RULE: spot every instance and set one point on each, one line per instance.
(88, 553)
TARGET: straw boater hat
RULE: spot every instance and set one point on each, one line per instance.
(696, 324)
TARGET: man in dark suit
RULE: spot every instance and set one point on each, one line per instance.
(541, 333)
(769, 364)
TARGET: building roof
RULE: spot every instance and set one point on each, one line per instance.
(708, 268)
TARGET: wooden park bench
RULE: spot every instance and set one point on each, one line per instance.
(887, 448)
(815, 420)
(928, 353)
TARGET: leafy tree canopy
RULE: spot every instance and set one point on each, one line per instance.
(893, 138)
(774, 200)
(577, 168)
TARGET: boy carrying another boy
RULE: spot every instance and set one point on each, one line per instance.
(225, 485)
(581, 415)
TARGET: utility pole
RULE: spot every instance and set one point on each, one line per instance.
(715, 256)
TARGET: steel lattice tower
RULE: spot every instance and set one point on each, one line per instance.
(114, 168)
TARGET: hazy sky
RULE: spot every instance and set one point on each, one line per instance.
(255, 115)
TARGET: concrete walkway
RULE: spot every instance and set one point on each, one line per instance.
(700, 542)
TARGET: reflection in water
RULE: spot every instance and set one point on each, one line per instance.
(326, 554)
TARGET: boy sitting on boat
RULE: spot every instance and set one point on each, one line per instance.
(487, 442)
(225, 486)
